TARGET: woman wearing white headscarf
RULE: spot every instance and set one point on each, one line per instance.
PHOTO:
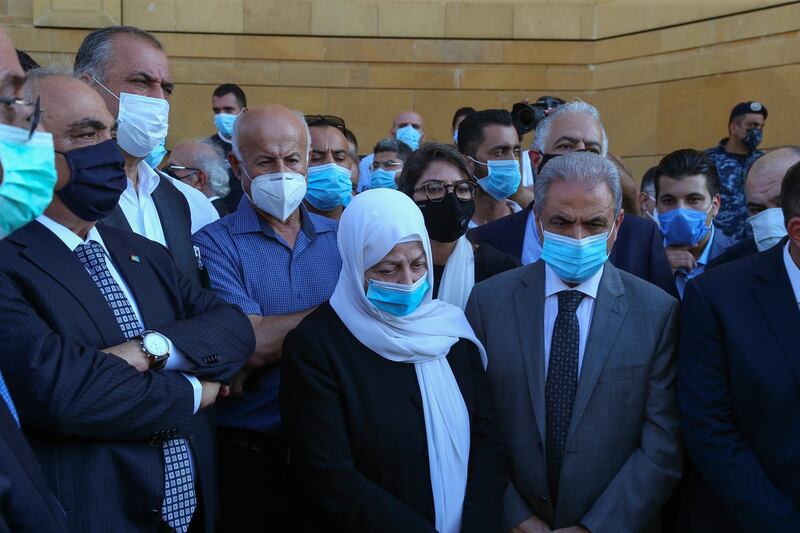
(384, 398)
(439, 181)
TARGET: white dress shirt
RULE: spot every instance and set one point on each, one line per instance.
(552, 286)
(793, 271)
(531, 247)
(177, 359)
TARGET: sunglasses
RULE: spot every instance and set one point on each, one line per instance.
(326, 120)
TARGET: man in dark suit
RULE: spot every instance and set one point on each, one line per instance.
(576, 126)
(112, 355)
(762, 191)
(739, 386)
(582, 367)
(26, 502)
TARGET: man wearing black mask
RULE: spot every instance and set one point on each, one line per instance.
(438, 179)
(733, 157)
(112, 355)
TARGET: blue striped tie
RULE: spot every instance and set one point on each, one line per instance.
(180, 499)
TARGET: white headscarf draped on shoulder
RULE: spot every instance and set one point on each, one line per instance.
(373, 223)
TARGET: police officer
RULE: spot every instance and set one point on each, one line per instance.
(733, 157)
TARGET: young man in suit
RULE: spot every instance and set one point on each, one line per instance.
(575, 127)
(112, 355)
(739, 386)
(582, 367)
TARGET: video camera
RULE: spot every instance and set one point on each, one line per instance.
(527, 116)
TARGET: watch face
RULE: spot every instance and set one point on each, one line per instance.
(156, 344)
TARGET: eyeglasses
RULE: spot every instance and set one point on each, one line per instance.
(35, 115)
(169, 170)
(388, 165)
(435, 191)
(326, 120)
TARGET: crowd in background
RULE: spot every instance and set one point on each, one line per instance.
(276, 329)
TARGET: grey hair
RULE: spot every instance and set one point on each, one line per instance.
(542, 134)
(584, 168)
(95, 52)
(237, 126)
(212, 161)
(41, 73)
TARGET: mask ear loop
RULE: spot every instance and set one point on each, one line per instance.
(104, 87)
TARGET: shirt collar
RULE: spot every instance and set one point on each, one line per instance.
(148, 179)
(703, 259)
(70, 239)
(247, 221)
(553, 284)
(793, 271)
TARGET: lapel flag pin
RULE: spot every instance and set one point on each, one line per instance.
(136, 259)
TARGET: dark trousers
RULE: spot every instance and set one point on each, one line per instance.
(254, 481)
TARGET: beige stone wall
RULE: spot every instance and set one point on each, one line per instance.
(663, 74)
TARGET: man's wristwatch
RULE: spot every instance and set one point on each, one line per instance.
(156, 348)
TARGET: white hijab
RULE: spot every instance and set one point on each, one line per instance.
(459, 274)
(373, 223)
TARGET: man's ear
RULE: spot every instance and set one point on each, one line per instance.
(715, 204)
(536, 158)
(793, 228)
(202, 180)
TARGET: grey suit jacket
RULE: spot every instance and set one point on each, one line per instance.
(622, 457)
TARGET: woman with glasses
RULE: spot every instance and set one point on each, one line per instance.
(389, 157)
(437, 178)
(384, 399)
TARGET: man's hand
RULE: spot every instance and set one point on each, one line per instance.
(532, 525)
(573, 529)
(270, 332)
(681, 258)
(132, 353)
(237, 385)
(210, 392)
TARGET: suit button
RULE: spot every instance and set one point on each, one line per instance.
(154, 441)
(154, 515)
(543, 499)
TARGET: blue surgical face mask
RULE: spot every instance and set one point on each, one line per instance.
(382, 179)
(575, 260)
(683, 227)
(154, 158)
(503, 178)
(224, 124)
(397, 298)
(328, 186)
(409, 136)
(29, 175)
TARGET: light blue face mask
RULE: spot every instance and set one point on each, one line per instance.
(574, 260)
(224, 124)
(683, 227)
(156, 156)
(29, 176)
(396, 298)
(409, 136)
(503, 178)
(328, 186)
(382, 179)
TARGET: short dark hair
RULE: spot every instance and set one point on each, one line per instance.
(94, 52)
(27, 62)
(790, 193)
(461, 112)
(687, 162)
(235, 90)
(649, 179)
(418, 163)
(351, 139)
(391, 145)
(470, 131)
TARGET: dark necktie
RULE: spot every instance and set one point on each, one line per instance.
(561, 384)
(7, 398)
(179, 495)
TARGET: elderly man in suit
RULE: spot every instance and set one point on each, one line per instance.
(112, 355)
(582, 366)
(739, 386)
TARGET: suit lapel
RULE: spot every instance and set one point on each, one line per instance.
(608, 317)
(529, 303)
(49, 254)
(116, 220)
(775, 296)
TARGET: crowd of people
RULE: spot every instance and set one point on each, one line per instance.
(263, 330)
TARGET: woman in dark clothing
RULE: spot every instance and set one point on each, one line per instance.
(384, 399)
(438, 179)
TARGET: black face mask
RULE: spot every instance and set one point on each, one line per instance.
(98, 180)
(545, 159)
(447, 220)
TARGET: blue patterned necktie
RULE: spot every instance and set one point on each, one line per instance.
(180, 500)
(7, 398)
(561, 384)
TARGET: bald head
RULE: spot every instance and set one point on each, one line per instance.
(763, 186)
(407, 118)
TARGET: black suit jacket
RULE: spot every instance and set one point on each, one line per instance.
(734, 252)
(176, 222)
(356, 432)
(739, 395)
(219, 205)
(95, 424)
(639, 249)
(26, 503)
